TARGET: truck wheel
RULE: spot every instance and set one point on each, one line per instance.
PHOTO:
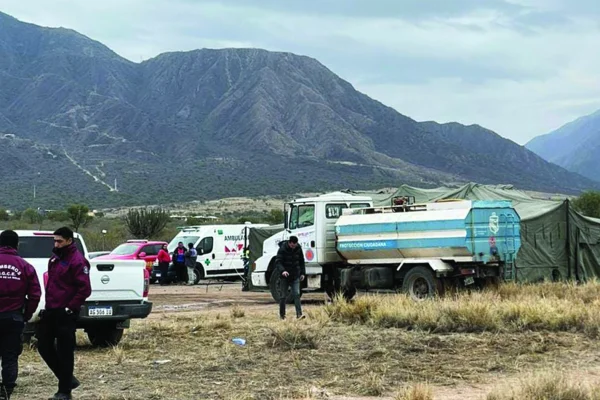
(105, 335)
(275, 287)
(420, 283)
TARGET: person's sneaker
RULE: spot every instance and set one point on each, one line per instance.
(300, 316)
(282, 317)
(75, 383)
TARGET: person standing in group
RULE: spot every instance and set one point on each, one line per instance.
(19, 298)
(246, 261)
(67, 289)
(179, 262)
(163, 264)
(190, 262)
(290, 266)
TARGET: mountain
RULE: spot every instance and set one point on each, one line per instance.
(574, 146)
(204, 124)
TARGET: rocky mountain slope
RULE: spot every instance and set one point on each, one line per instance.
(75, 116)
(574, 146)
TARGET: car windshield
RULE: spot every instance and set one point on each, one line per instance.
(40, 246)
(125, 249)
(184, 239)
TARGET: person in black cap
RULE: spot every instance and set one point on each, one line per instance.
(19, 298)
(289, 264)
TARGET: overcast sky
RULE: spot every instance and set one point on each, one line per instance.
(519, 67)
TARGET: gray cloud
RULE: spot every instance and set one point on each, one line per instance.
(404, 9)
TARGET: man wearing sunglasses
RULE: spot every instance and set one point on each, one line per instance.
(19, 298)
(66, 291)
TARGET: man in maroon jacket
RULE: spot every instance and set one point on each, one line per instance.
(19, 297)
(66, 291)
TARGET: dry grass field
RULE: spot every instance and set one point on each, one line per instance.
(530, 343)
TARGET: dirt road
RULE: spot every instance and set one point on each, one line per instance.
(180, 298)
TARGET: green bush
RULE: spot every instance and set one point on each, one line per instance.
(79, 216)
(588, 204)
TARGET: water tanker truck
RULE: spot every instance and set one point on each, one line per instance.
(419, 249)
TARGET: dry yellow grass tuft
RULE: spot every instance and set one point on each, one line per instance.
(547, 387)
(513, 308)
(416, 392)
(294, 335)
(237, 311)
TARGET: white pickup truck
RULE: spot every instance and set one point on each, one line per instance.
(119, 289)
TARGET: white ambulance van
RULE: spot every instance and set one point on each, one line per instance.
(220, 248)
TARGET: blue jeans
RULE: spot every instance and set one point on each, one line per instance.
(283, 291)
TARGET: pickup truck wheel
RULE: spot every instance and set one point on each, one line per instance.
(420, 283)
(275, 287)
(105, 336)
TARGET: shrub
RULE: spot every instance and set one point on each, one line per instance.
(146, 224)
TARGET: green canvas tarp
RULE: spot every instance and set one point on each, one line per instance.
(256, 238)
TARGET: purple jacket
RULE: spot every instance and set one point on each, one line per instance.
(68, 279)
(19, 285)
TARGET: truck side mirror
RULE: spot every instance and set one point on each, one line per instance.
(285, 220)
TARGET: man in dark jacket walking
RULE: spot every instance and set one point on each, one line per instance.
(66, 291)
(19, 298)
(289, 264)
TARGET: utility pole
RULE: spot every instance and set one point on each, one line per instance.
(35, 179)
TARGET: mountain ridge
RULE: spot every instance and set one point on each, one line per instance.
(574, 146)
(212, 123)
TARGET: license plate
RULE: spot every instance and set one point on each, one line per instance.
(100, 311)
(157, 274)
(469, 281)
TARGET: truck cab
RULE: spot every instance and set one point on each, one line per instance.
(312, 220)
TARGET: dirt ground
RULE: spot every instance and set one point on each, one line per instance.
(211, 297)
(183, 350)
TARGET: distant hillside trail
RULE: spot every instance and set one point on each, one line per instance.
(96, 179)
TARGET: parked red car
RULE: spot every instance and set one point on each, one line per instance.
(136, 250)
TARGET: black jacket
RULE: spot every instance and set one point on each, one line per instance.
(290, 260)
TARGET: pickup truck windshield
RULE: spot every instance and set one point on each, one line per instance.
(40, 246)
(125, 249)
